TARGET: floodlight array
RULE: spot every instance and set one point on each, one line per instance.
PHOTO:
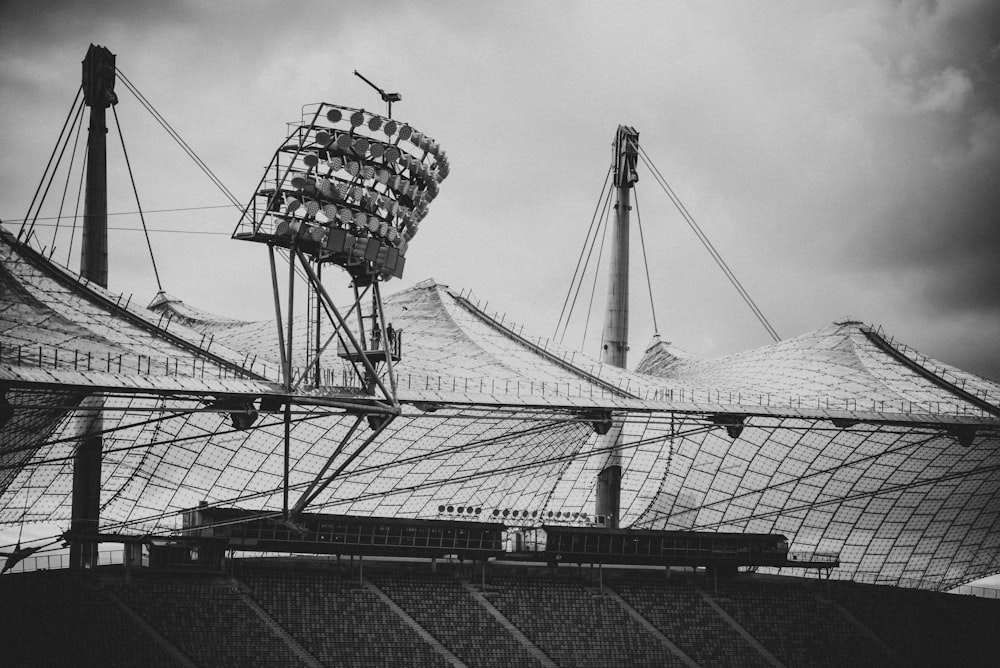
(348, 187)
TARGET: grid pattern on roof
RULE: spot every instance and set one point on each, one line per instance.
(901, 504)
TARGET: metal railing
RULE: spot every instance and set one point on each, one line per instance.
(35, 356)
(796, 557)
(60, 561)
(40, 356)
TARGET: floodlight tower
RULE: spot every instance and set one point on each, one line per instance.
(614, 344)
(347, 189)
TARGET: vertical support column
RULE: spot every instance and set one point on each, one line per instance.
(86, 499)
(288, 381)
(609, 486)
(98, 94)
(614, 343)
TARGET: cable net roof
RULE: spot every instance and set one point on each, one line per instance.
(843, 439)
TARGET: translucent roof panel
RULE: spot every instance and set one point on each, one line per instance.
(842, 439)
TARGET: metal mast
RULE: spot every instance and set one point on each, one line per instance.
(98, 94)
(614, 344)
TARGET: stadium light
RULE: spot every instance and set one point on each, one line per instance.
(965, 434)
(732, 423)
(6, 410)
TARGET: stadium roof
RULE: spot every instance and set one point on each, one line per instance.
(842, 439)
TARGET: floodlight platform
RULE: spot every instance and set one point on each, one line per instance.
(349, 188)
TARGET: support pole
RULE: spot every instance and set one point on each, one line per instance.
(386, 344)
(332, 308)
(86, 500)
(98, 94)
(614, 343)
(288, 380)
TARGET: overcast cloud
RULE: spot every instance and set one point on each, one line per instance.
(843, 157)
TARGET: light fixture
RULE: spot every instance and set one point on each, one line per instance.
(327, 148)
(6, 410)
(330, 212)
(965, 434)
(377, 421)
(732, 423)
(360, 146)
(241, 412)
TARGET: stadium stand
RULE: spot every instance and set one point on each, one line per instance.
(206, 620)
(61, 618)
(679, 611)
(441, 604)
(566, 616)
(316, 612)
(774, 615)
(928, 629)
(336, 618)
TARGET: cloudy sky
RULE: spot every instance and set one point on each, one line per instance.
(844, 157)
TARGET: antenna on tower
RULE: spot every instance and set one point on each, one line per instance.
(388, 98)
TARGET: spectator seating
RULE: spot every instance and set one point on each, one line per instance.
(922, 626)
(337, 620)
(798, 628)
(572, 622)
(206, 620)
(61, 618)
(442, 606)
(678, 610)
(66, 618)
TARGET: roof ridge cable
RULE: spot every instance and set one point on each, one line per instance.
(138, 205)
(60, 142)
(177, 138)
(605, 192)
(716, 256)
(645, 262)
(597, 269)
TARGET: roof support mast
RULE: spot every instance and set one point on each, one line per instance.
(98, 94)
(614, 344)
